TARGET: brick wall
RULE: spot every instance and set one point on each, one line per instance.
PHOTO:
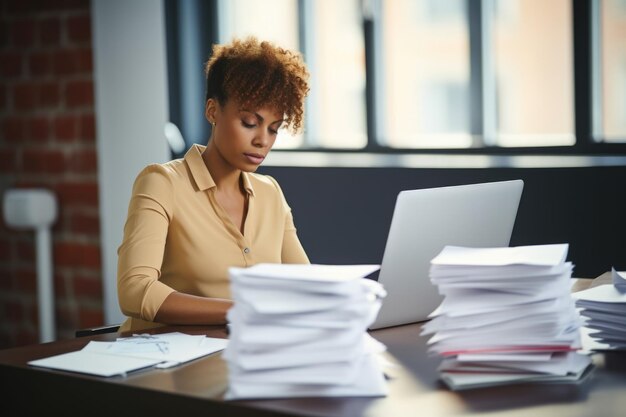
(47, 139)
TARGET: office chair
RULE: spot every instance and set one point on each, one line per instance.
(91, 331)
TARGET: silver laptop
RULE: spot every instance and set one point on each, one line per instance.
(423, 222)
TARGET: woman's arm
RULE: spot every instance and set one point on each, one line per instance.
(140, 255)
(181, 308)
(292, 252)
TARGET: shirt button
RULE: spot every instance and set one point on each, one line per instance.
(246, 250)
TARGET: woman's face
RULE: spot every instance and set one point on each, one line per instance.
(243, 137)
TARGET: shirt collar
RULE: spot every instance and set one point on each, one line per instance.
(247, 185)
(201, 175)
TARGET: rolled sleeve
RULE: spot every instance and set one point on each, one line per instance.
(140, 255)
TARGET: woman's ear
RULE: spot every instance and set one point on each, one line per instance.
(210, 109)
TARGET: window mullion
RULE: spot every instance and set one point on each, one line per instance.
(585, 111)
(476, 64)
(595, 52)
(488, 75)
(483, 105)
(307, 24)
(374, 98)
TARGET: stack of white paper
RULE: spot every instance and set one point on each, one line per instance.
(604, 307)
(507, 316)
(300, 331)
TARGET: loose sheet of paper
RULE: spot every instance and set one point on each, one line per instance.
(94, 363)
(129, 354)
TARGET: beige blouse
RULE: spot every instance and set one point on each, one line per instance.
(178, 238)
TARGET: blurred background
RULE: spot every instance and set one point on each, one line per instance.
(404, 94)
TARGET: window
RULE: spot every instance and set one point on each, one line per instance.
(450, 75)
(335, 54)
(272, 20)
(425, 74)
(524, 56)
(532, 53)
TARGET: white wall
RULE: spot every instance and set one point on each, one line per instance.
(131, 111)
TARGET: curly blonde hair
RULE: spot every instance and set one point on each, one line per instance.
(258, 74)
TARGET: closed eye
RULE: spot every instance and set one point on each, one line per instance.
(248, 125)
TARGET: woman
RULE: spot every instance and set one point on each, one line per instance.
(191, 219)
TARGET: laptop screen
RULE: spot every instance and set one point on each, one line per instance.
(426, 220)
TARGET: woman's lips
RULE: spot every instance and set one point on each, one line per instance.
(254, 158)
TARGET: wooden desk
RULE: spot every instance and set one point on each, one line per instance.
(583, 283)
(197, 388)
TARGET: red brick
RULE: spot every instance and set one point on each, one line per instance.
(90, 287)
(46, 5)
(6, 251)
(66, 128)
(10, 64)
(59, 286)
(87, 128)
(76, 4)
(25, 96)
(79, 93)
(19, 7)
(26, 280)
(85, 224)
(66, 254)
(40, 64)
(78, 194)
(13, 129)
(4, 32)
(23, 32)
(7, 165)
(49, 94)
(74, 255)
(90, 317)
(13, 311)
(50, 31)
(22, 183)
(6, 284)
(91, 257)
(72, 61)
(63, 62)
(79, 28)
(25, 250)
(61, 224)
(26, 336)
(83, 161)
(65, 316)
(39, 128)
(43, 161)
(3, 97)
(3, 227)
(6, 339)
(6, 277)
(31, 309)
(84, 60)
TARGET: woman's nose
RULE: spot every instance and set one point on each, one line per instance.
(262, 139)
